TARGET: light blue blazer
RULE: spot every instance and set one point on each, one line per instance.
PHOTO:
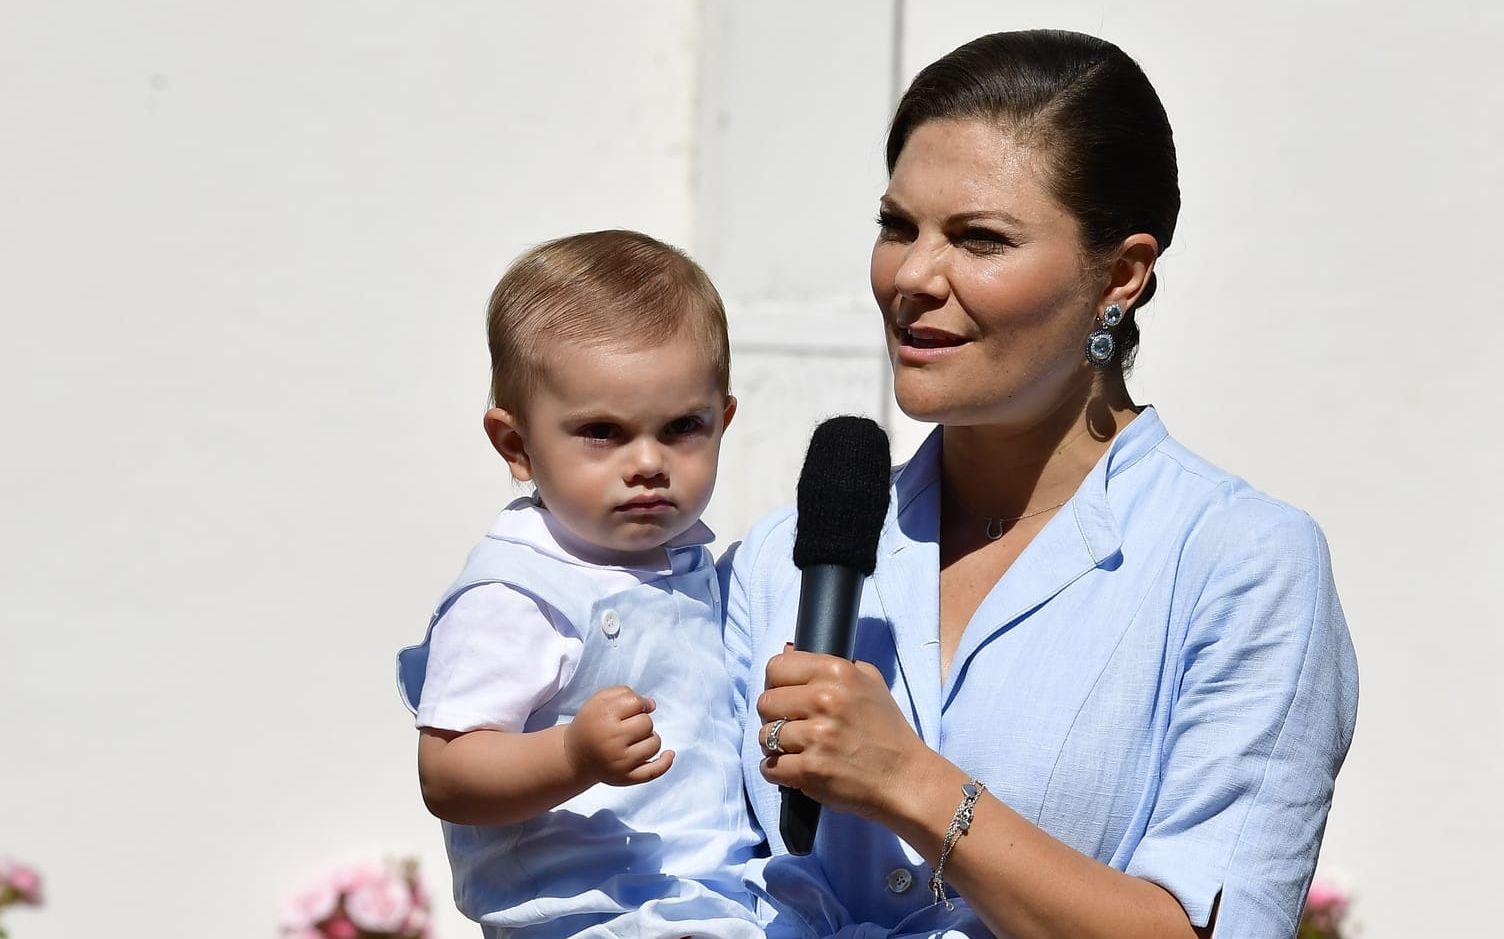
(1163, 680)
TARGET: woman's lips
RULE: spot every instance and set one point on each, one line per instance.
(920, 344)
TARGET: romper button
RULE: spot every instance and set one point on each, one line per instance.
(900, 880)
(610, 624)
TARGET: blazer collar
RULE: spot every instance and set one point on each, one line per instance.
(1083, 536)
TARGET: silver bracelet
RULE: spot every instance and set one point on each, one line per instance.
(960, 823)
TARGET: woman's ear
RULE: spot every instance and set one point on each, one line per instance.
(728, 413)
(505, 433)
(1130, 270)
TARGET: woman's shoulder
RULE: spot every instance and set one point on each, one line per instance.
(1248, 568)
(769, 543)
(1222, 514)
(769, 540)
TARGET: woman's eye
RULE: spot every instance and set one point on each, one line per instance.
(892, 228)
(598, 431)
(982, 241)
(685, 425)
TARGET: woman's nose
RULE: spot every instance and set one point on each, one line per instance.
(920, 275)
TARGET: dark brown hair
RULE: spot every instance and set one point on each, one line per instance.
(1089, 109)
(595, 287)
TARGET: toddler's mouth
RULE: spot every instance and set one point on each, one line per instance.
(646, 505)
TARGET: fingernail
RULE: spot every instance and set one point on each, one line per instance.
(787, 646)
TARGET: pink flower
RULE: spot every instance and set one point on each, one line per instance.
(380, 905)
(24, 880)
(417, 923)
(420, 892)
(340, 928)
(354, 876)
(1325, 895)
(309, 908)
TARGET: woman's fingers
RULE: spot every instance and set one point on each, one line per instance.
(790, 736)
(781, 770)
(826, 695)
(792, 667)
(845, 742)
(789, 702)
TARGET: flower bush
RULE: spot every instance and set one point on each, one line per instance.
(19, 885)
(370, 900)
(1325, 913)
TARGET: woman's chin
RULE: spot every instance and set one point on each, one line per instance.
(934, 404)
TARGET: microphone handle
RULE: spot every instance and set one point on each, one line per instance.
(829, 596)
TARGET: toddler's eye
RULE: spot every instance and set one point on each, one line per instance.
(598, 431)
(685, 425)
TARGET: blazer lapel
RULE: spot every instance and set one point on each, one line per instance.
(1081, 537)
(907, 585)
(1056, 557)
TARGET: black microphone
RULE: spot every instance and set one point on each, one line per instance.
(843, 500)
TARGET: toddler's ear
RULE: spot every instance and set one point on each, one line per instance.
(729, 413)
(505, 433)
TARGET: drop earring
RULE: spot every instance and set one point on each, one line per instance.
(1101, 346)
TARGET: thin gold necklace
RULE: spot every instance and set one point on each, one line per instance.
(995, 525)
(994, 529)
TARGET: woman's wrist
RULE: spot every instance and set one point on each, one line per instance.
(918, 803)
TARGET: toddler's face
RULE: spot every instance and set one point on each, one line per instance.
(621, 440)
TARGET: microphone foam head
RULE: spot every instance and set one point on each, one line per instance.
(843, 494)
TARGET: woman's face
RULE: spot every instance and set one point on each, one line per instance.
(981, 277)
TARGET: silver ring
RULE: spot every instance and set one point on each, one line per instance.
(772, 747)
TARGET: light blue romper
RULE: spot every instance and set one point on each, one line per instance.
(662, 858)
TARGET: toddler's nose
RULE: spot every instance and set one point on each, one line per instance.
(645, 462)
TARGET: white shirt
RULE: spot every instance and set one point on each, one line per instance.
(498, 653)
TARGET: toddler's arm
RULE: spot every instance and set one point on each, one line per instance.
(492, 777)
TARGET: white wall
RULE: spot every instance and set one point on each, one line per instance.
(243, 259)
(244, 256)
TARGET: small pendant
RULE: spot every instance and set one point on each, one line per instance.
(994, 529)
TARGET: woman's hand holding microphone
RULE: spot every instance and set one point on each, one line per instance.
(843, 740)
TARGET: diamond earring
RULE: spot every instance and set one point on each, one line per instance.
(1100, 345)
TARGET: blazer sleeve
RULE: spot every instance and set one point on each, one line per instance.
(1264, 715)
(743, 575)
(795, 899)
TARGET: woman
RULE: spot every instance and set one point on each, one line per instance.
(1133, 662)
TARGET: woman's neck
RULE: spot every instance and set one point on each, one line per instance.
(1000, 471)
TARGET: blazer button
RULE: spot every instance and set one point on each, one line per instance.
(900, 880)
(610, 624)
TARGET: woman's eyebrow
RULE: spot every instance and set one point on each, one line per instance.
(889, 204)
(979, 215)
